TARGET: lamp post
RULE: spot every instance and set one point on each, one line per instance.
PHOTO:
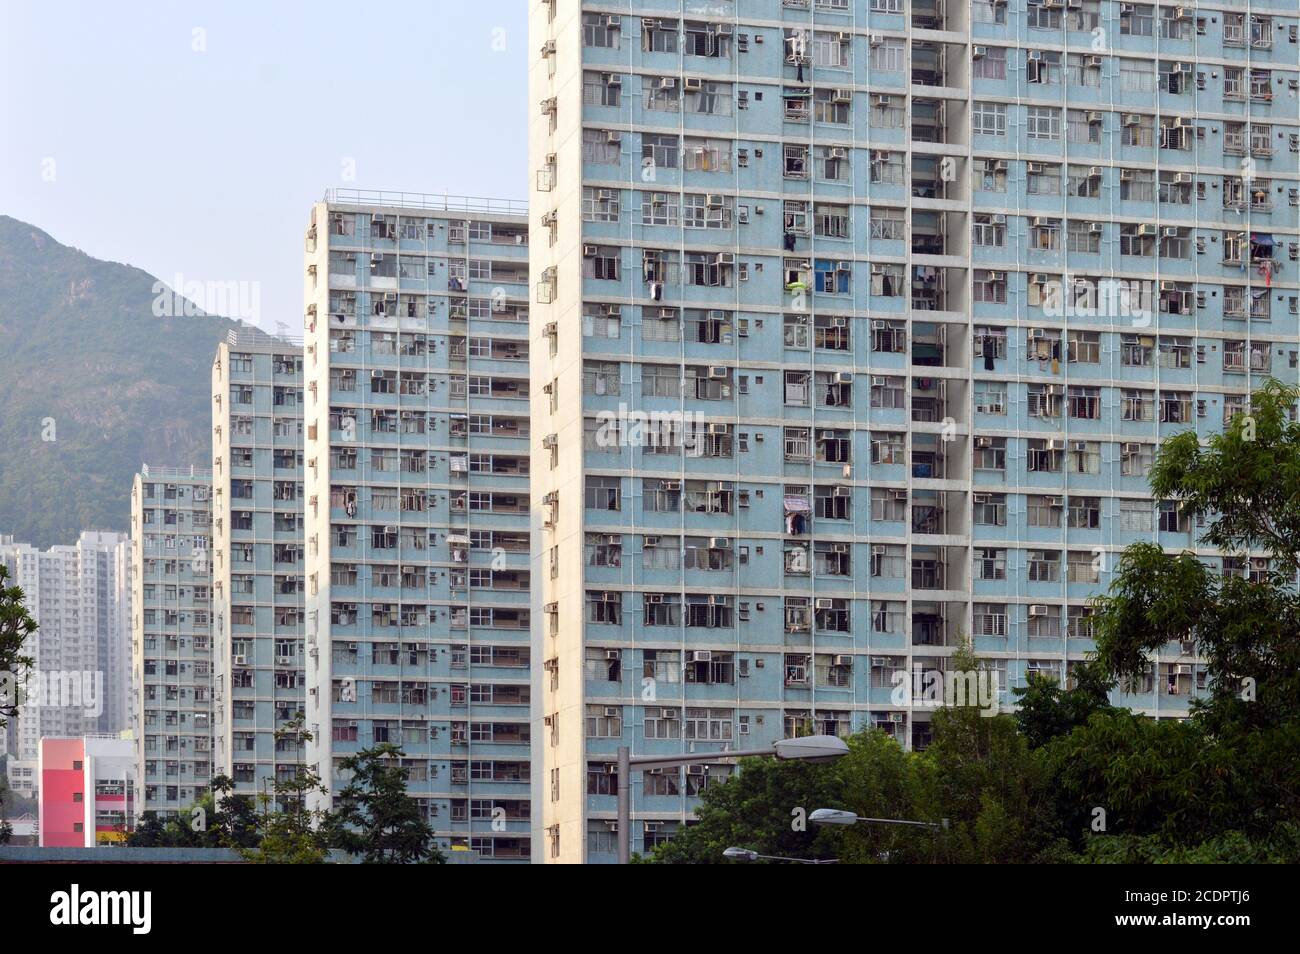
(837, 816)
(809, 748)
(747, 854)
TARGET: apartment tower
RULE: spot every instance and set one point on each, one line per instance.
(417, 504)
(857, 326)
(77, 683)
(171, 516)
(258, 565)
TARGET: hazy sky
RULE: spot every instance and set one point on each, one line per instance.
(192, 138)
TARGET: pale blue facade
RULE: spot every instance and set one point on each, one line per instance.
(417, 484)
(939, 279)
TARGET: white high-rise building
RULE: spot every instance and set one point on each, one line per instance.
(76, 685)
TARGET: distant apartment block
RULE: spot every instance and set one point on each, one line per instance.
(857, 325)
(257, 558)
(88, 791)
(417, 483)
(77, 685)
(171, 514)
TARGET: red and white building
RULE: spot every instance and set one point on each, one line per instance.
(87, 790)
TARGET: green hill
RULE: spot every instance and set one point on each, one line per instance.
(79, 344)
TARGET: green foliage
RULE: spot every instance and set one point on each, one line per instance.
(219, 819)
(375, 818)
(758, 809)
(16, 625)
(1046, 710)
(1069, 778)
(1282, 847)
(288, 830)
(80, 346)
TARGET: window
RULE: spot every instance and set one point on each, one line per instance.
(887, 56)
(832, 106)
(1043, 122)
(599, 205)
(603, 493)
(992, 64)
(989, 119)
(599, 148)
(598, 32)
(991, 397)
(1136, 19)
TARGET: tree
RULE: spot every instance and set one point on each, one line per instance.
(1047, 710)
(235, 817)
(375, 818)
(288, 832)
(1234, 768)
(16, 626)
(763, 807)
(6, 829)
(1245, 484)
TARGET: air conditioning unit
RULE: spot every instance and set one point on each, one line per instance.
(725, 258)
(1037, 609)
(612, 712)
(668, 82)
(693, 84)
(701, 655)
(823, 603)
(590, 251)
(843, 377)
(713, 200)
(719, 543)
(842, 95)
(239, 659)
(843, 661)
(717, 373)
(896, 717)
(979, 52)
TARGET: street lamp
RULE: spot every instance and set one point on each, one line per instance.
(809, 748)
(747, 854)
(837, 816)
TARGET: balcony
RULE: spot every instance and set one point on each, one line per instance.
(928, 15)
(929, 400)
